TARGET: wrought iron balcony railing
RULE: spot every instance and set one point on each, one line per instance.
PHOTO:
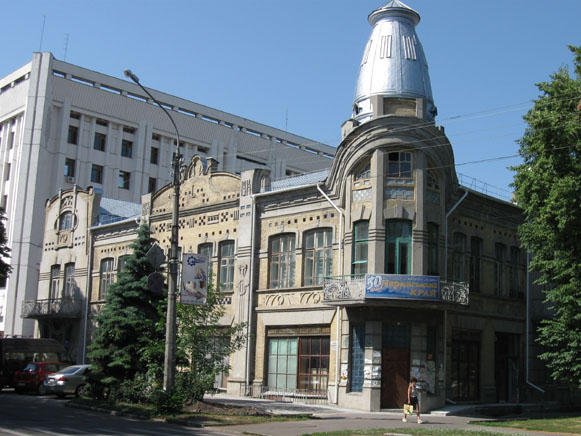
(52, 307)
(351, 288)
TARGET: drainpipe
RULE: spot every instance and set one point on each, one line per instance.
(338, 357)
(251, 288)
(527, 328)
(446, 231)
(88, 287)
(446, 276)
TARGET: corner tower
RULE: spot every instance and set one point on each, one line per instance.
(393, 77)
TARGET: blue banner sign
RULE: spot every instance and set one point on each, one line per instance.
(400, 286)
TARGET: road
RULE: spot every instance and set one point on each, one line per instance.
(31, 415)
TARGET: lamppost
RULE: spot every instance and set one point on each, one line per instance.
(169, 366)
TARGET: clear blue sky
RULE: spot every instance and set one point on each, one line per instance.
(264, 59)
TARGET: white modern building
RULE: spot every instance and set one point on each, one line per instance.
(62, 125)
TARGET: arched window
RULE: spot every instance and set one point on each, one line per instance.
(318, 256)
(66, 221)
(106, 277)
(398, 247)
(282, 261)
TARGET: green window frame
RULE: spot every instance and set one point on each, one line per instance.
(398, 247)
(360, 247)
(282, 363)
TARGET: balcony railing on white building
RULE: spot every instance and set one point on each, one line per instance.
(351, 288)
(52, 307)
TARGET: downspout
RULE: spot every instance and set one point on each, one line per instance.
(446, 277)
(251, 290)
(89, 288)
(250, 295)
(339, 321)
(527, 327)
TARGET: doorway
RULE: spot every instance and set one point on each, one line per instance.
(506, 367)
(395, 365)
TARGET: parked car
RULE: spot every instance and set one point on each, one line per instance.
(31, 378)
(69, 380)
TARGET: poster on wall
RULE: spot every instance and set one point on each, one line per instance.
(194, 289)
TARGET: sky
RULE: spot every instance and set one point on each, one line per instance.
(293, 64)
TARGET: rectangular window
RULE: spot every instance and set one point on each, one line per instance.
(106, 277)
(121, 263)
(398, 247)
(126, 148)
(282, 363)
(459, 257)
(314, 364)
(226, 277)
(154, 158)
(124, 179)
(69, 167)
(69, 290)
(152, 185)
(360, 247)
(399, 165)
(55, 282)
(100, 141)
(73, 136)
(7, 170)
(97, 174)
(433, 242)
(357, 357)
(282, 261)
(318, 256)
(500, 250)
(516, 288)
(206, 250)
(475, 263)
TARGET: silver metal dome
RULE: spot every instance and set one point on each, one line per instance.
(393, 65)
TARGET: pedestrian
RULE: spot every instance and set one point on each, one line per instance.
(413, 399)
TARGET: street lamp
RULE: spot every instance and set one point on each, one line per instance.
(169, 365)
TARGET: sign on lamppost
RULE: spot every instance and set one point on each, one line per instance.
(194, 279)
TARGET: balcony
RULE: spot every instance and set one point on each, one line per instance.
(52, 308)
(350, 289)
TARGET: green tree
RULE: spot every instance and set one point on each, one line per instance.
(548, 188)
(203, 345)
(129, 336)
(5, 267)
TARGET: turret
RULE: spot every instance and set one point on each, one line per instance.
(393, 77)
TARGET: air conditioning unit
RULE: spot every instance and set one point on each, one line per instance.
(70, 179)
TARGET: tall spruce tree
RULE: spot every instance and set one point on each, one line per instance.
(5, 267)
(548, 188)
(130, 335)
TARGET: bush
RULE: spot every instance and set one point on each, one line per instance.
(165, 403)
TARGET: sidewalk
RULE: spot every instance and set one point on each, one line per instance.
(332, 418)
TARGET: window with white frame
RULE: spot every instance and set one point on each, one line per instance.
(318, 256)
(360, 247)
(55, 282)
(107, 277)
(226, 276)
(69, 289)
(282, 261)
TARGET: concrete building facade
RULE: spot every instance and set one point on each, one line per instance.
(62, 125)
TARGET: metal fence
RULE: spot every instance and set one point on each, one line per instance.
(284, 395)
(62, 307)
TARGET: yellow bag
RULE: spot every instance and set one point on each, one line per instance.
(408, 409)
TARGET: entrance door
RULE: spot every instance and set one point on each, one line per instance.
(506, 365)
(395, 365)
(465, 370)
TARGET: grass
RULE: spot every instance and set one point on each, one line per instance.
(224, 417)
(571, 425)
(412, 431)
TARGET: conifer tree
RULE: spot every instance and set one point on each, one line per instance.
(548, 188)
(129, 336)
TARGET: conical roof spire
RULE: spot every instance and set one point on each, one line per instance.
(393, 71)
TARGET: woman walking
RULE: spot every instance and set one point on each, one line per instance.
(413, 399)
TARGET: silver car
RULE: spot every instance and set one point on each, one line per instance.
(69, 380)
